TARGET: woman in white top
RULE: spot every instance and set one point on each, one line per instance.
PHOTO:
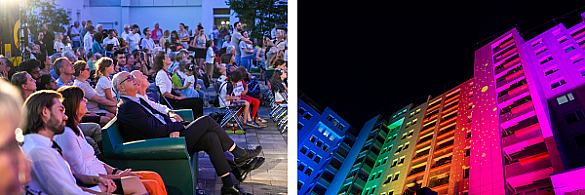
(209, 60)
(103, 87)
(163, 81)
(58, 45)
(81, 158)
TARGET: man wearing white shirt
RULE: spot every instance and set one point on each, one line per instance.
(126, 31)
(75, 35)
(144, 84)
(50, 173)
(88, 39)
(147, 42)
(133, 38)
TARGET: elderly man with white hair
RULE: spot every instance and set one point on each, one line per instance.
(126, 31)
(138, 120)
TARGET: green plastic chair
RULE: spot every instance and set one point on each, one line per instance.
(166, 156)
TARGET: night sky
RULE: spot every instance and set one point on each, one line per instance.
(362, 59)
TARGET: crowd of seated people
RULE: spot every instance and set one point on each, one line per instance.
(75, 82)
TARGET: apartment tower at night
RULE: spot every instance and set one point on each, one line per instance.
(516, 128)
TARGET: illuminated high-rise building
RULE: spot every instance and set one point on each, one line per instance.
(516, 128)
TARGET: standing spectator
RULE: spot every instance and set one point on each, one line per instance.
(42, 44)
(97, 44)
(111, 39)
(147, 42)
(58, 45)
(133, 38)
(215, 35)
(65, 70)
(6, 68)
(157, 33)
(25, 83)
(236, 38)
(99, 28)
(164, 39)
(247, 52)
(184, 36)
(273, 31)
(261, 57)
(84, 32)
(88, 38)
(198, 43)
(48, 38)
(209, 60)
(126, 32)
(74, 33)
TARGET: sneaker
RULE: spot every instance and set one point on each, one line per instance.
(261, 120)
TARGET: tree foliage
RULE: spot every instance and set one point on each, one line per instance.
(46, 11)
(259, 16)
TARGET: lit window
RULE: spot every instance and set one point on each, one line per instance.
(565, 98)
(396, 176)
(312, 139)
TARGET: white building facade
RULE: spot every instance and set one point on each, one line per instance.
(168, 13)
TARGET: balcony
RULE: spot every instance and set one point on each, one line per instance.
(421, 154)
(425, 139)
(529, 169)
(435, 181)
(414, 171)
(522, 138)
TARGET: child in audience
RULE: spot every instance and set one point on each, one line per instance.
(190, 87)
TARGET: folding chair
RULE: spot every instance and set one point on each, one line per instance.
(163, 99)
(230, 112)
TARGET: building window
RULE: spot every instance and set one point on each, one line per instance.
(308, 116)
(310, 155)
(301, 167)
(317, 159)
(299, 185)
(550, 70)
(565, 98)
(401, 160)
(312, 139)
(304, 150)
(308, 172)
(580, 140)
(574, 116)
(335, 123)
(340, 127)
(329, 118)
(468, 135)
(467, 152)
(388, 178)
(396, 176)
(325, 148)
(403, 136)
(394, 162)
(399, 149)
(466, 173)
(406, 145)
(301, 111)
(300, 126)
(319, 143)
(410, 133)
(567, 50)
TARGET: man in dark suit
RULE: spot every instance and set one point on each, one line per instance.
(138, 120)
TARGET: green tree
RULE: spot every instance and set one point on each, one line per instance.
(259, 16)
(46, 11)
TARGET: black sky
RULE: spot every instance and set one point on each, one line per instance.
(363, 58)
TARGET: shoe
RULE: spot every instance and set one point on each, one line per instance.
(261, 120)
(252, 124)
(250, 154)
(249, 167)
(233, 190)
(262, 125)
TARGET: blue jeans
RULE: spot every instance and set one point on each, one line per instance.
(75, 44)
(247, 62)
(238, 60)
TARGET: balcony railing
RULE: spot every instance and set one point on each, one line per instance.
(417, 170)
(434, 182)
(420, 154)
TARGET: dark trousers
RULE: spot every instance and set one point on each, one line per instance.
(205, 134)
(195, 104)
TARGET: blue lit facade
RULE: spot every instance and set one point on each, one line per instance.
(320, 134)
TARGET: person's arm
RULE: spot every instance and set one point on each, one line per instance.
(185, 86)
(245, 88)
(56, 180)
(71, 149)
(258, 54)
(246, 40)
(103, 101)
(163, 84)
(132, 115)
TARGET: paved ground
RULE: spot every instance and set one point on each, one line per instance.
(271, 177)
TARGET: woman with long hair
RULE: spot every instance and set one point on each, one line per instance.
(278, 86)
(167, 89)
(97, 44)
(199, 46)
(81, 157)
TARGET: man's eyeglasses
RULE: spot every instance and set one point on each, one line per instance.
(131, 78)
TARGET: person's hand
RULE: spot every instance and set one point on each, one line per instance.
(110, 115)
(128, 172)
(175, 134)
(4, 74)
(91, 114)
(108, 184)
(175, 116)
(105, 119)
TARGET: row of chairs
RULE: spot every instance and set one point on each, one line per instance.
(279, 111)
